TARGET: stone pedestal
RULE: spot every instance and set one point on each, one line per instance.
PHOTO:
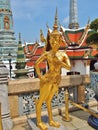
(6, 120)
(32, 124)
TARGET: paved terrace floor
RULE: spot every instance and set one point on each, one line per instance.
(78, 122)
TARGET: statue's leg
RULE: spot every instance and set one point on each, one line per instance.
(44, 92)
(49, 108)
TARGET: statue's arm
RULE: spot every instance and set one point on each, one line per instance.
(66, 62)
(40, 59)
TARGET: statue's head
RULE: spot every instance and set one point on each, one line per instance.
(54, 38)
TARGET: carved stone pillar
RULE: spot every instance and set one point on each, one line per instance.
(81, 94)
(5, 113)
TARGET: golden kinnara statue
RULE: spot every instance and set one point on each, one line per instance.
(49, 82)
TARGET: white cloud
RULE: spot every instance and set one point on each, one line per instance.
(66, 20)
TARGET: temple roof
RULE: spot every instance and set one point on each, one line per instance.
(32, 57)
(77, 48)
(76, 36)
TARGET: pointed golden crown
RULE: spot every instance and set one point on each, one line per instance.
(55, 27)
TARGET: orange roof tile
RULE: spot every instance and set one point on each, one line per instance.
(74, 37)
(75, 53)
(29, 47)
(94, 52)
(39, 50)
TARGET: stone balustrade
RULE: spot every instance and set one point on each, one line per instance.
(23, 86)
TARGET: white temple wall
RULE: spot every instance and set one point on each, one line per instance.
(64, 71)
(78, 66)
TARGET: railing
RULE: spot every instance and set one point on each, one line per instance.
(22, 93)
(92, 88)
(94, 81)
(27, 100)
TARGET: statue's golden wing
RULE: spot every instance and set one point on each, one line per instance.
(42, 38)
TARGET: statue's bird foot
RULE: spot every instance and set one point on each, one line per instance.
(54, 124)
(42, 126)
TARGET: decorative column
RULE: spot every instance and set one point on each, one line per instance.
(5, 113)
(81, 88)
(81, 94)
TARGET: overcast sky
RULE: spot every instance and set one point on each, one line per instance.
(32, 15)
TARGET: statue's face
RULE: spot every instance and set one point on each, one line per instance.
(55, 42)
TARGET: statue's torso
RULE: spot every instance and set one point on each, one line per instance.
(54, 63)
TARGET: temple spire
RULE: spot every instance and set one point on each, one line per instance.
(5, 5)
(56, 20)
(73, 16)
(7, 39)
(19, 36)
